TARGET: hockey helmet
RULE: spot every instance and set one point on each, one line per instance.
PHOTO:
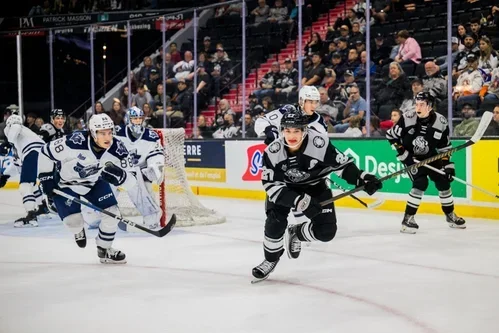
(133, 113)
(294, 119)
(57, 113)
(100, 122)
(425, 97)
(422, 110)
(308, 93)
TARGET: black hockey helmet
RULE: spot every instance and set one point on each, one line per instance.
(425, 97)
(294, 119)
(57, 113)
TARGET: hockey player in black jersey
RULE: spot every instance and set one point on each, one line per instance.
(53, 130)
(294, 172)
(421, 134)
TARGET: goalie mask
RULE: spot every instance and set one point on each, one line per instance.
(135, 121)
(294, 120)
(424, 104)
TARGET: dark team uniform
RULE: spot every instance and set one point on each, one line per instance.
(48, 132)
(421, 138)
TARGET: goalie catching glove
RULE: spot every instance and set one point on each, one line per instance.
(154, 173)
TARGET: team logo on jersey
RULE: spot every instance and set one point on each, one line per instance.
(77, 138)
(135, 157)
(411, 131)
(319, 142)
(120, 148)
(275, 147)
(341, 158)
(86, 171)
(153, 135)
(420, 146)
(81, 157)
(296, 175)
(312, 164)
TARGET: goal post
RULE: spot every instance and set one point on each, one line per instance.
(174, 194)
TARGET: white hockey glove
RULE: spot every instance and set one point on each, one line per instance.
(154, 173)
(308, 205)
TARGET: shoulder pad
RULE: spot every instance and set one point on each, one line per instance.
(440, 122)
(275, 152)
(77, 140)
(150, 135)
(410, 118)
(316, 145)
(49, 128)
(120, 130)
(118, 149)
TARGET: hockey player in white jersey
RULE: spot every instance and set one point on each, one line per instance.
(89, 162)
(26, 145)
(148, 159)
(53, 130)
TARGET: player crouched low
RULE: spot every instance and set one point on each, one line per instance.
(89, 162)
(147, 157)
(294, 172)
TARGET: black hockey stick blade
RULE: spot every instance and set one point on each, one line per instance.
(158, 233)
(482, 127)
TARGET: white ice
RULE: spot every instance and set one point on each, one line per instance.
(369, 279)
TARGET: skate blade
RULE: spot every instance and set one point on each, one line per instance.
(456, 226)
(29, 225)
(112, 262)
(257, 280)
(406, 230)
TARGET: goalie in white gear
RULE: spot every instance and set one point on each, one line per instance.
(147, 156)
(26, 146)
(268, 126)
(89, 163)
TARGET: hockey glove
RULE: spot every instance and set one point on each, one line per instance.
(271, 133)
(450, 172)
(3, 180)
(370, 182)
(308, 205)
(48, 184)
(113, 174)
(4, 148)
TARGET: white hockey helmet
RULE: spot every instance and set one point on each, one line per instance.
(14, 119)
(100, 122)
(308, 93)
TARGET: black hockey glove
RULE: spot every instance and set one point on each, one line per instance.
(113, 174)
(370, 182)
(3, 180)
(450, 172)
(4, 148)
(47, 183)
(308, 205)
(271, 133)
(406, 158)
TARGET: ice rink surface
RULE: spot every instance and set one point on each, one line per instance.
(369, 279)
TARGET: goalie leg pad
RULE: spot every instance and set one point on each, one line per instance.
(142, 196)
(107, 229)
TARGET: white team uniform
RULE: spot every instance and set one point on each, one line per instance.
(147, 157)
(79, 175)
(26, 146)
(273, 118)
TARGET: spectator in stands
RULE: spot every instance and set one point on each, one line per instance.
(254, 107)
(493, 128)
(338, 66)
(376, 131)
(289, 79)
(360, 70)
(175, 54)
(45, 9)
(469, 124)
(332, 87)
(345, 32)
(314, 45)
(315, 75)
(153, 81)
(395, 115)
(267, 104)
(30, 122)
(393, 90)
(490, 91)
(360, 5)
(361, 20)
(409, 104)
(348, 82)
(169, 72)
(249, 126)
(39, 122)
(236, 9)
(160, 98)
(159, 58)
(328, 58)
(461, 63)
(204, 86)
(261, 12)
(228, 130)
(124, 95)
(434, 82)
(356, 107)
(379, 10)
(442, 61)
(181, 105)
(220, 10)
(207, 48)
(353, 60)
(151, 118)
(325, 104)
(204, 131)
(469, 83)
(475, 28)
(327, 120)
(141, 97)
(461, 36)
(360, 46)
(269, 82)
(184, 67)
(99, 108)
(117, 113)
(488, 56)
(353, 129)
(134, 83)
(6, 114)
(145, 71)
(409, 51)
(381, 52)
(356, 35)
(221, 71)
(278, 14)
(342, 48)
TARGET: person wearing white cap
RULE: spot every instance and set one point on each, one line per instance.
(442, 61)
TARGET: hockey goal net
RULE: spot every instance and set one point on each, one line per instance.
(174, 194)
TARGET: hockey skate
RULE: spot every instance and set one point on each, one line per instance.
(455, 221)
(262, 271)
(293, 244)
(409, 225)
(28, 221)
(111, 256)
(81, 238)
(42, 210)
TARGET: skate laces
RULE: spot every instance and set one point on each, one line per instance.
(295, 244)
(112, 252)
(80, 235)
(266, 266)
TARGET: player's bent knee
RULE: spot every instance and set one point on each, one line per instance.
(421, 183)
(325, 232)
(275, 224)
(74, 222)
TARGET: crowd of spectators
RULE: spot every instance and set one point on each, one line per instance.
(59, 7)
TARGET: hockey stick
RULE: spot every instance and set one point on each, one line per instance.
(158, 233)
(482, 127)
(375, 204)
(459, 180)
